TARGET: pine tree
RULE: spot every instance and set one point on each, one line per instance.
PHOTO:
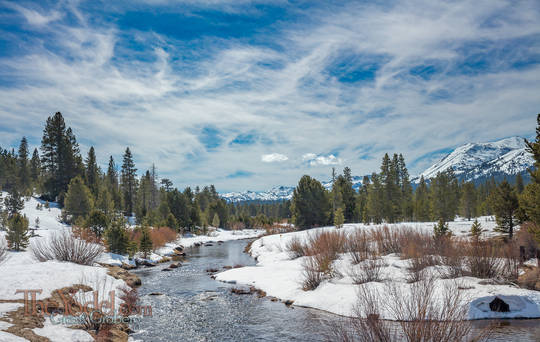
(407, 204)
(35, 167)
(476, 229)
(346, 194)
(421, 202)
(78, 201)
(13, 203)
(24, 170)
(128, 182)
(145, 245)
(468, 200)
(375, 200)
(444, 195)
(519, 184)
(505, 204)
(215, 221)
(310, 205)
(60, 158)
(92, 172)
(441, 229)
(530, 198)
(117, 237)
(339, 218)
(17, 234)
(97, 222)
(111, 179)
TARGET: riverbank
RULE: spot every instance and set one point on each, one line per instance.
(280, 275)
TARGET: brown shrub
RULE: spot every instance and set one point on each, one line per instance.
(524, 237)
(359, 246)
(85, 234)
(295, 247)
(162, 235)
(367, 271)
(130, 297)
(311, 274)
(387, 240)
(481, 259)
(530, 279)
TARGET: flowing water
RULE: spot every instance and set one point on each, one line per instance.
(194, 307)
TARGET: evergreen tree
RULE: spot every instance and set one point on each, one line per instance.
(111, 179)
(17, 234)
(375, 200)
(92, 172)
(476, 229)
(530, 198)
(505, 204)
(215, 221)
(347, 196)
(104, 201)
(468, 200)
(441, 229)
(310, 205)
(171, 221)
(97, 222)
(339, 218)
(145, 245)
(421, 202)
(78, 201)
(24, 170)
(60, 158)
(407, 204)
(117, 237)
(519, 184)
(444, 195)
(128, 182)
(35, 167)
(13, 203)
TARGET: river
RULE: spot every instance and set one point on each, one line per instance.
(194, 307)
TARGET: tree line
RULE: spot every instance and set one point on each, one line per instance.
(388, 196)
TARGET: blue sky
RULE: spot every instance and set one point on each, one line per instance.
(252, 94)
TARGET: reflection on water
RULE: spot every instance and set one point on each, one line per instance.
(194, 307)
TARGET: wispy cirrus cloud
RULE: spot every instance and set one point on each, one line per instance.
(407, 76)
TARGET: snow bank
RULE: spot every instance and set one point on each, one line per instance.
(21, 271)
(281, 277)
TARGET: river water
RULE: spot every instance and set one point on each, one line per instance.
(194, 307)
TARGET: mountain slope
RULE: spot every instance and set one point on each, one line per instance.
(478, 161)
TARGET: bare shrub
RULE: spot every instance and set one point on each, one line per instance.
(424, 317)
(162, 235)
(295, 247)
(3, 249)
(530, 279)
(511, 262)
(387, 240)
(367, 271)
(358, 246)
(481, 260)
(311, 274)
(324, 247)
(66, 247)
(130, 297)
(452, 251)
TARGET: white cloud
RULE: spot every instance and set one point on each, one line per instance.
(313, 160)
(273, 157)
(34, 17)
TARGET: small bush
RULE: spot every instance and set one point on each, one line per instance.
(162, 235)
(367, 271)
(311, 274)
(130, 297)
(525, 238)
(530, 279)
(387, 240)
(358, 246)
(66, 247)
(481, 260)
(295, 247)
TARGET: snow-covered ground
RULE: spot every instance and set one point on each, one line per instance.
(281, 277)
(21, 271)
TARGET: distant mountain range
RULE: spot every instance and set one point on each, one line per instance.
(471, 162)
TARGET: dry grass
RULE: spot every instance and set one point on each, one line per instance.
(64, 246)
(312, 276)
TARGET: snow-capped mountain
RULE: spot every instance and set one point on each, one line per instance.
(478, 161)
(470, 162)
(275, 194)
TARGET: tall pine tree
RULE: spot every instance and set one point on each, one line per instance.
(128, 182)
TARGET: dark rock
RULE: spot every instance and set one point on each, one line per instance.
(499, 305)
(173, 265)
(289, 302)
(166, 270)
(128, 266)
(179, 248)
(208, 245)
(155, 294)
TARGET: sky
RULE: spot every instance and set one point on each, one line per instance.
(253, 94)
